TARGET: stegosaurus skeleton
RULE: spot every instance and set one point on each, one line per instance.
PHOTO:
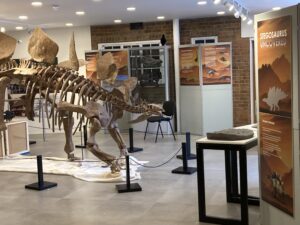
(41, 79)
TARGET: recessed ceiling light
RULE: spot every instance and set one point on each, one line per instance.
(160, 17)
(23, 17)
(131, 9)
(36, 4)
(80, 13)
(221, 13)
(19, 28)
(117, 21)
(69, 24)
(276, 8)
(217, 2)
(55, 7)
(2, 29)
(202, 2)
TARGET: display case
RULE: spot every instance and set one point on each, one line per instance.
(16, 138)
(151, 67)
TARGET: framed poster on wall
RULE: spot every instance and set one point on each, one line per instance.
(216, 62)
(91, 65)
(121, 59)
(189, 65)
(274, 40)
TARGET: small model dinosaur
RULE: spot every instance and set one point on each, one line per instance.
(74, 92)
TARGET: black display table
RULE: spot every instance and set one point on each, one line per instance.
(231, 170)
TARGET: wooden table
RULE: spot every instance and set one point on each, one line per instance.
(233, 194)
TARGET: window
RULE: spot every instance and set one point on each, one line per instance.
(124, 45)
(148, 62)
(204, 40)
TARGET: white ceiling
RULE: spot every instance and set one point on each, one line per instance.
(105, 11)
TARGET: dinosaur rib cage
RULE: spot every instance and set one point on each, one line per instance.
(46, 80)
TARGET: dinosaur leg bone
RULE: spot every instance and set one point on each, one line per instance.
(94, 148)
(115, 134)
(68, 122)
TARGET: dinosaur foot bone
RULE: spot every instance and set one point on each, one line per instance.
(72, 157)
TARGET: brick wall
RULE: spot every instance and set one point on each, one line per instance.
(228, 29)
(150, 31)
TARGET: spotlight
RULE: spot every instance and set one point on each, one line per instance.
(216, 2)
(2, 29)
(231, 7)
(237, 14)
(244, 17)
(250, 21)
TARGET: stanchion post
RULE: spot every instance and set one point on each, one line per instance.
(41, 184)
(184, 157)
(190, 156)
(84, 138)
(184, 169)
(128, 187)
(40, 171)
(127, 172)
(85, 135)
(131, 148)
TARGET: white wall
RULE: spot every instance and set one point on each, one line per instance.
(247, 31)
(61, 36)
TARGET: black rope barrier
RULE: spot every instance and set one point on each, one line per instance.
(159, 165)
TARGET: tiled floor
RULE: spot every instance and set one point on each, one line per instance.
(166, 199)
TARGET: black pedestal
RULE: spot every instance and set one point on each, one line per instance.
(131, 148)
(128, 187)
(190, 156)
(32, 142)
(122, 188)
(184, 169)
(38, 187)
(134, 149)
(41, 184)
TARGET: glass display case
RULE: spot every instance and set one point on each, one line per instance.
(151, 67)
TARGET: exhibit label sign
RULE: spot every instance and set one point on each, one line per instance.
(274, 39)
(216, 64)
(189, 65)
